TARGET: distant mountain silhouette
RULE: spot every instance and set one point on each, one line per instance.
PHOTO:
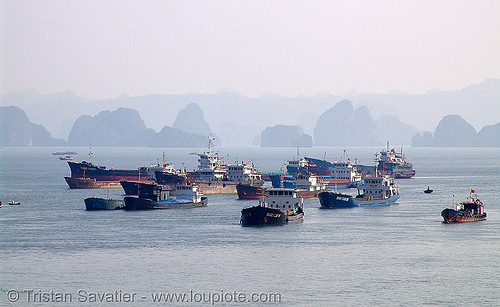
(122, 127)
(285, 136)
(16, 130)
(452, 131)
(191, 120)
(174, 138)
(389, 127)
(343, 125)
(489, 136)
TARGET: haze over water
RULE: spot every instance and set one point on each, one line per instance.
(387, 256)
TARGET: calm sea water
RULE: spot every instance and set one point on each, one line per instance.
(52, 250)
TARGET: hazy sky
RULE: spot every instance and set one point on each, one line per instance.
(103, 49)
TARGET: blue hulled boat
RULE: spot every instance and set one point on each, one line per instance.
(375, 191)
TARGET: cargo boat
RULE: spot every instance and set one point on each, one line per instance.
(470, 210)
(183, 196)
(389, 162)
(307, 185)
(86, 175)
(96, 203)
(344, 172)
(249, 191)
(144, 189)
(280, 206)
(91, 183)
(340, 173)
(213, 176)
(375, 191)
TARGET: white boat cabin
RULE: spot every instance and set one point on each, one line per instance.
(378, 187)
(282, 198)
(190, 192)
(344, 171)
(243, 172)
(309, 182)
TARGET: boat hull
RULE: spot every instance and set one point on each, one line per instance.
(216, 187)
(144, 189)
(135, 203)
(248, 191)
(87, 170)
(169, 178)
(377, 202)
(91, 183)
(95, 203)
(454, 216)
(262, 216)
(333, 200)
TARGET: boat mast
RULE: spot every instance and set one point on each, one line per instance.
(139, 182)
(90, 153)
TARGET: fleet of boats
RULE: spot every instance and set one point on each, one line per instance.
(161, 186)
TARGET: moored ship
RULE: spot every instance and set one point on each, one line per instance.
(96, 203)
(215, 177)
(249, 191)
(87, 175)
(470, 210)
(344, 172)
(280, 206)
(375, 191)
(86, 169)
(307, 185)
(182, 196)
(334, 200)
(145, 189)
(391, 163)
(341, 173)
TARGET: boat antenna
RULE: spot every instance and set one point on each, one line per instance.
(324, 156)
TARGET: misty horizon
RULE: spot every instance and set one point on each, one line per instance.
(395, 57)
(284, 49)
